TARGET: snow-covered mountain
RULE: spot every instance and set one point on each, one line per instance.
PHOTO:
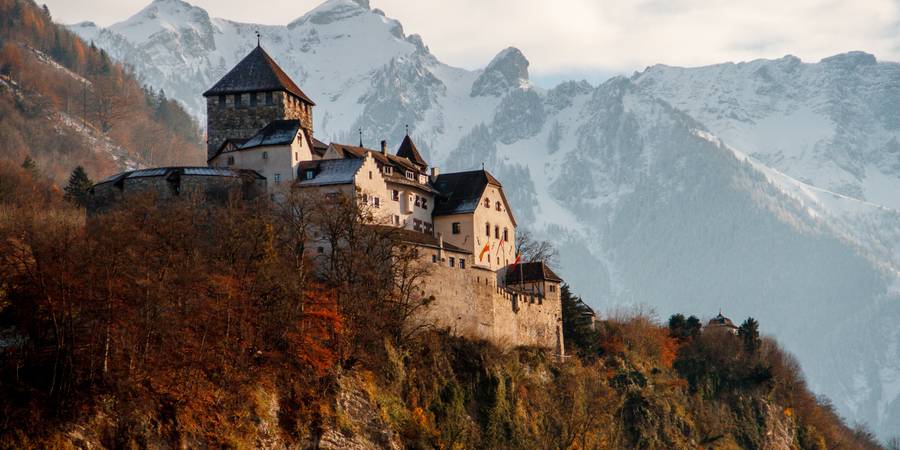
(769, 188)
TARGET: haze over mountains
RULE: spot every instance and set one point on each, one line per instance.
(768, 189)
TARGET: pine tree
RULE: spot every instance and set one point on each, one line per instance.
(77, 189)
(30, 165)
(749, 334)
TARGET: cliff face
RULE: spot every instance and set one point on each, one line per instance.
(456, 394)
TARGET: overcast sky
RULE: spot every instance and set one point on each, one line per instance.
(591, 38)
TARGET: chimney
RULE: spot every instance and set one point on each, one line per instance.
(383, 147)
(434, 174)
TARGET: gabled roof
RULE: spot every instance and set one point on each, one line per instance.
(167, 172)
(409, 151)
(721, 321)
(423, 239)
(277, 132)
(531, 272)
(228, 145)
(352, 151)
(257, 72)
(329, 171)
(319, 148)
(461, 192)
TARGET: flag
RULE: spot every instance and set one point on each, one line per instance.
(516, 262)
(487, 248)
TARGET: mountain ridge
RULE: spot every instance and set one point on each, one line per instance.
(609, 172)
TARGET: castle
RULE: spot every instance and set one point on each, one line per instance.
(260, 136)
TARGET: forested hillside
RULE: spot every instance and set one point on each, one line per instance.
(191, 327)
(64, 103)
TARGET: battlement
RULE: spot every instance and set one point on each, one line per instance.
(470, 302)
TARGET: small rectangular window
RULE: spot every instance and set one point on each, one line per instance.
(269, 98)
(221, 100)
(452, 261)
(434, 258)
(417, 224)
(277, 177)
(456, 228)
(496, 232)
(506, 234)
(231, 160)
(462, 263)
(396, 220)
(253, 99)
(296, 156)
(418, 201)
(237, 100)
(377, 202)
(410, 175)
(310, 174)
(487, 229)
(265, 155)
(424, 203)
(387, 170)
(370, 174)
(395, 195)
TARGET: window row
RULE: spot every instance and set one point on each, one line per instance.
(451, 261)
(497, 205)
(269, 98)
(487, 231)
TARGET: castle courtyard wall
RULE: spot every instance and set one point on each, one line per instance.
(469, 302)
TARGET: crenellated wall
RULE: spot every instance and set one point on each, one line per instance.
(469, 302)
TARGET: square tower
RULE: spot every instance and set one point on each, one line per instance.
(253, 94)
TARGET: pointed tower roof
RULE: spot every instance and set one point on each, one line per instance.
(257, 72)
(408, 150)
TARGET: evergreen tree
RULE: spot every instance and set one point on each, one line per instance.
(77, 189)
(578, 331)
(30, 165)
(684, 329)
(749, 334)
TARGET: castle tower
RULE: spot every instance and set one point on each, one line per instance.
(249, 97)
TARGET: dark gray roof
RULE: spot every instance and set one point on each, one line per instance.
(181, 171)
(329, 171)
(460, 192)
(423, 239)
(257, 72)
(409, 151)
(531, 272)
(277, 132)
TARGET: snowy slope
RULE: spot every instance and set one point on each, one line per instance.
(834, 124)
(765, 188)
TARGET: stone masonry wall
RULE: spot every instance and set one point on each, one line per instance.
(215, 189)
(228, 121)
(468, 302)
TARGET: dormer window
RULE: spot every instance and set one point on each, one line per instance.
(310, 174)
(487, 204)
(410, 175)
(387, 170)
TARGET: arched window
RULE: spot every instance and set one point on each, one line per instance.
(487, 204)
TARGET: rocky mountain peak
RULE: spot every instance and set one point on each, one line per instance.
(508, 70)
(851, 59)
(333, 11)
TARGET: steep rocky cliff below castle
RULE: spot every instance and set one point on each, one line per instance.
(457, 394)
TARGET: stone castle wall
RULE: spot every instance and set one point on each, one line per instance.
(228, 121)
(469, 302)
(216, 190)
